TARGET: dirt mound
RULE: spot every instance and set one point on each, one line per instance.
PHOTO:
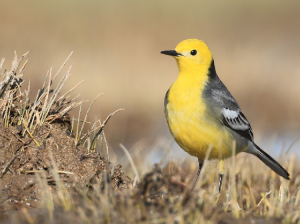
(21, 159)
(39, 151)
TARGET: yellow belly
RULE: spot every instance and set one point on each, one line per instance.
(192, 127)
(195, 136)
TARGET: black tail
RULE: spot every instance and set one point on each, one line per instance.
(269, 161)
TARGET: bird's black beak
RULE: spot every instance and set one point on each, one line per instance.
(171, 53)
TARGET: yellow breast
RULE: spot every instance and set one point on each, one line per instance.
(190, 123)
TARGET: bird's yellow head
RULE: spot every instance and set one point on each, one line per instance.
(191, 55)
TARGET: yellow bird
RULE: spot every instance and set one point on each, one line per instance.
(202, 114)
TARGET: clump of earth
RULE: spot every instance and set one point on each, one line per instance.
(21, 160)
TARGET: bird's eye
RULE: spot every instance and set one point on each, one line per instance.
(193, 52)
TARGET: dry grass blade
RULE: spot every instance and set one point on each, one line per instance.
(61, 67)
(131, 162)
(102, 127)
(25, 126)
(103, 133)
(62, 97)
(264, 196)
(77, 128)
(14, 64)
(87, 134)
(27, 216)
(40, 92)
(1, 64)
(22, 69)
(290, 147)
(47, 93)
(86, 115)
(203, 168)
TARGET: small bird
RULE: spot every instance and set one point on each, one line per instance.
(202, 114)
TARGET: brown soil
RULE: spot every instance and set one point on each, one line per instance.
(21, 159)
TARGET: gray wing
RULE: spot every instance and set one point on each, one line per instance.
(236, 121)
(231, 114)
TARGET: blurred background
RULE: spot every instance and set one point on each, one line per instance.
(117, 44)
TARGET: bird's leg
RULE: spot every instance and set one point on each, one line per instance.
(198, 173)
(221, 169)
